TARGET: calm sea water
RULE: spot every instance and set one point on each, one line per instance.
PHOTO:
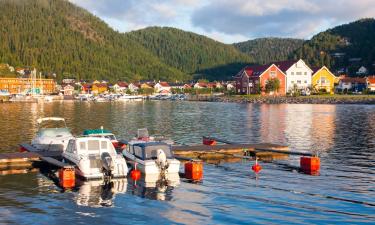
(343, 135)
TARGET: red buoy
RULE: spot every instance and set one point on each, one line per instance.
(256, 167)
(135, 174)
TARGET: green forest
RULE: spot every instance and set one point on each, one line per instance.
(348, 46)
(267, 50)
(55, 36)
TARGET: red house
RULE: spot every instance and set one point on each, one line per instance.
(253, 79)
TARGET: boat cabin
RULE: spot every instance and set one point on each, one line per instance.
(148, 150)
(90, 146)
(100, 133)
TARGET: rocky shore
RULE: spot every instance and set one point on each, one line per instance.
(334, 99)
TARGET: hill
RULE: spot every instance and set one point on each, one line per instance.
(190, 52)
(57, 36)
(343, 48)
(266, 50)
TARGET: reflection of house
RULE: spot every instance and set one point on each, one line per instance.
(323, 79)
(162, 87)
(297, 73)
(99, 88)
(252, 78)
(371, 83)
(355, 84)
(24, 85)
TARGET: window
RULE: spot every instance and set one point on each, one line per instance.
(138, 152)
(71, 146)
(103, 145)
(305, 73)
(273, 74)
(292, 73)
(299, 73)
(292, 82)
(93, 145)
(299, 82)
(305, 81)
(82, 145)
(323, 80)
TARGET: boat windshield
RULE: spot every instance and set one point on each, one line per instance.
(52, 124)
(150, 152)
(55, 132)
(108, 136)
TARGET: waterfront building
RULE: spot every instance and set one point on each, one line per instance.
(371, 83)
(353, 84)
(323, 79)
(99, 88)
(297, 74)
(253, 79)
(120, 87)
(26, 85)
(162, 87)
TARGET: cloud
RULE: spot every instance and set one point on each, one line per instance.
(256, 18)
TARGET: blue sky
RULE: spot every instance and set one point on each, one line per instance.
(231, 21)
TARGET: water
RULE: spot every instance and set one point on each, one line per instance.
(343, 135)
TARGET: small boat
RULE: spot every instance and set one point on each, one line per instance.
(143, 135)
(52, 135)
(95, 158)
(103, 134)
(127, 98)
(152, 158)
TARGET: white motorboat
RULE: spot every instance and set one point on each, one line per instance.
(127, 98)
(95, 158)
(52, 135)
(152, 158)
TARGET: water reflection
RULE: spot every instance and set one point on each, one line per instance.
(153, 188)
(99, 193)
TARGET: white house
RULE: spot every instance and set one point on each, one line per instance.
(162, 87)
(230, 86)
(133, 87)
(297, 72)
(362, 71)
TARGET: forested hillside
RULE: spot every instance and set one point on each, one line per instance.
(56, 36)
(190, 52)
(266, 50)
(343, 48)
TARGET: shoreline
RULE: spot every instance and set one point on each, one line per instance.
(313, 99)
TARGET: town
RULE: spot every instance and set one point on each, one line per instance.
(284, 78)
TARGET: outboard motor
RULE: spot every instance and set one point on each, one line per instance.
(108, 165)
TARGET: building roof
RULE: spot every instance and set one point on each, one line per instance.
(164, 84)
(285, 65)
(122, 84)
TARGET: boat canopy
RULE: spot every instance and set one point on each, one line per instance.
(41, 120)
(97, 131)
(148, 150)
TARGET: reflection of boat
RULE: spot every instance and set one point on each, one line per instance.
(53, 135)
(151, 187)
(152, 157)
(97, 193)
(95, 158)
(103, 134)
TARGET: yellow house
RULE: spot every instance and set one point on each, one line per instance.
(323, 79)
(99, 88)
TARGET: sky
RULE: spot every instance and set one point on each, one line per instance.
(231, 21)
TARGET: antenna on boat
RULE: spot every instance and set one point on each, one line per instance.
(101, 127)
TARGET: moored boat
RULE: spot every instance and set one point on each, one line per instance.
(103, 134)
(95, 158)
(52, 135)
(152, 158)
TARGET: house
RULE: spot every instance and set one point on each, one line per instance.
(133, 87)
(362, 71)
(371, 83)
(354, 84)
(120, 87)
(200, 85)
(254, 79)
(68, 90)
(162, 87)
(188, 86)
(230, 86)
(323, 79)
(297, 74)
(24, 85)
(86, 88)
(99, 88)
